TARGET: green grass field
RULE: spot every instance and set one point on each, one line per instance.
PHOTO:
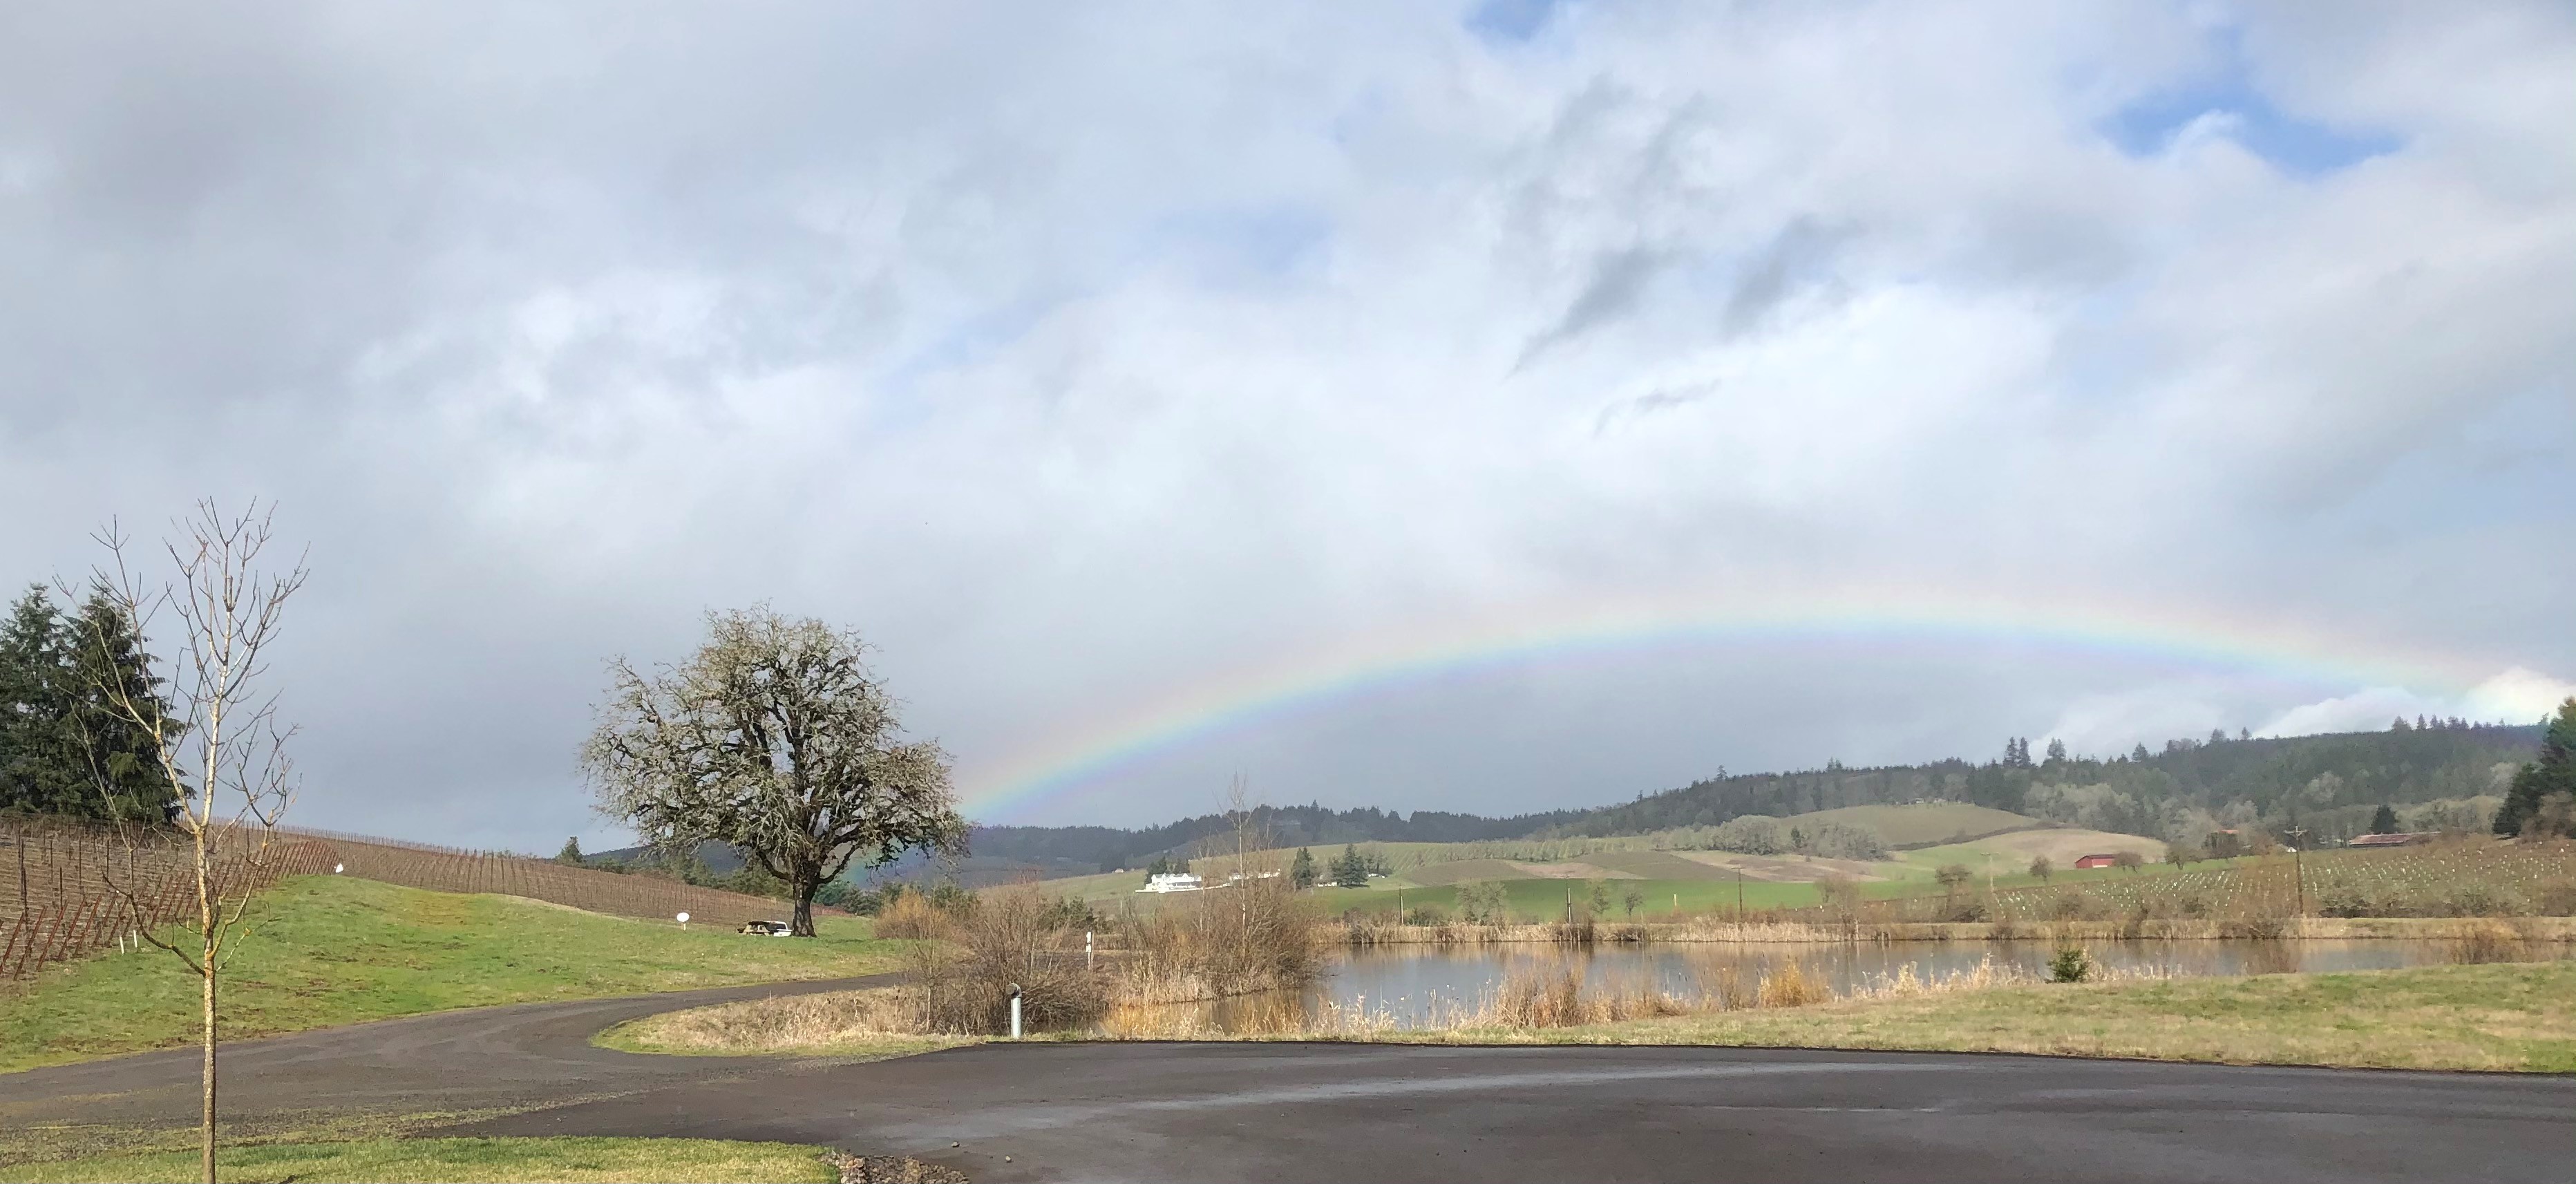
(1929, 822)
(1429, 869)
(325, 950)
(565, 1159)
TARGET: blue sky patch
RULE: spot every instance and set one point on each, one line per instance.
(1510, 20)
(2296, 146)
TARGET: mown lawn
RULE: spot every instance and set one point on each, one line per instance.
(325, 950)
(566, 1159)
(2518, 1017)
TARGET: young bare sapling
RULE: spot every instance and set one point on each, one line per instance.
(209, 725)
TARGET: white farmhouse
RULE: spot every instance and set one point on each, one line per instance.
(1173, 882)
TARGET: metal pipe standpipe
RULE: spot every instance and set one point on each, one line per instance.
(1015, 1011)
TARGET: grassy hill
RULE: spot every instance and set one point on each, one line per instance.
(1670, 871)
(324, 950)
(1922, 824)
(2438, 777)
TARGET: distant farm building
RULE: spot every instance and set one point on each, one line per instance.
(2098, 861)
(2402, 840)
(1173, 882)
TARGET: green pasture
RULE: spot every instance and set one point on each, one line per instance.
(324, 950)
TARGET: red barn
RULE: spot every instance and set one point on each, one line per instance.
(2097, 861)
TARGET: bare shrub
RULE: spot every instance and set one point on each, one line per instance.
(2557, 898)
(2481, 900)
(965, 984)
(1247, 937)
(2488, 943)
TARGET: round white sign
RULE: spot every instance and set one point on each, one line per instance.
(684, 918)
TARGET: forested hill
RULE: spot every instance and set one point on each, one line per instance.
(2330, 784)
(1106, 848)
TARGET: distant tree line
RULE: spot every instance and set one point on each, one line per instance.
(63, 748)
(1109, 849)
(2332, 785)
(2430, 774)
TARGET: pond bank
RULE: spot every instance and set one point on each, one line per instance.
(2509, 1017)
(2528, 929)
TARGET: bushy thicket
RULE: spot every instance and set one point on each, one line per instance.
(1759, 834)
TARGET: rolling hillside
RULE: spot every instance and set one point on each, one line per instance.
(2438, 776)
(1674, 866)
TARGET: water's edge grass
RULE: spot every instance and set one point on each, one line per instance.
(2507, 1017)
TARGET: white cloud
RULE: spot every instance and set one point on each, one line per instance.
(2106, 725)
(2362, 711)
(2516, 696)
(1086, 354)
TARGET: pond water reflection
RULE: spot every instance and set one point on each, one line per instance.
(1424, 985)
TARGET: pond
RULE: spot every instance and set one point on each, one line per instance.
(1427, 985)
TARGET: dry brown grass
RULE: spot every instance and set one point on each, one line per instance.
(878, 1021)
(912, 916)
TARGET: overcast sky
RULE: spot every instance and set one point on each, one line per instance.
(1094, 359)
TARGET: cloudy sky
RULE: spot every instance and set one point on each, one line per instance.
(1164, 389)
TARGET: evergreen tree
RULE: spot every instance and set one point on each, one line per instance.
(33, 707)
(117, 761)
(1350, 870)
(571, 853)
(2553, 773)
(2140, 754)
(2056, 750)
(2384, 822)
(1301, 871)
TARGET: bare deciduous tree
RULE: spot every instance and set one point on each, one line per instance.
(217, 740)
(775, 739)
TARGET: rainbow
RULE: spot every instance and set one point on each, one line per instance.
(1367, 664)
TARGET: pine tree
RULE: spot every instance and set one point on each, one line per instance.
(571, 853)
(116, 760)
(1349, 870)
(1301, 871)
(2383, 821)
(2554, 773)
(2056, 750)
(33, 707)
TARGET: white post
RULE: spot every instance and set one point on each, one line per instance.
(1015, 1011)
(1086, 949)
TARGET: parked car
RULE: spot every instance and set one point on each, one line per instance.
(766, 928)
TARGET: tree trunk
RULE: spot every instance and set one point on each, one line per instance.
(802, 888)
(206, 906)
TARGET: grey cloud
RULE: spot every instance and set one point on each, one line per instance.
(552, 325)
